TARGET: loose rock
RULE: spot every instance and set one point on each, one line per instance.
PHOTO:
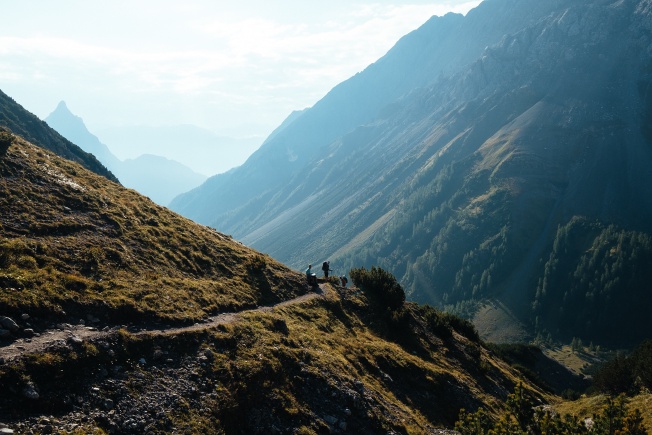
(8, 323)
(30, 392)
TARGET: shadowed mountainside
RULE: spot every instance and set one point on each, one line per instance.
(474, 181)
(76, 248)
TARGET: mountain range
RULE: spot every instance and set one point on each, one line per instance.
(155, 176)
(200, 149)
(497, 163)
(120, 316)
(26, 124)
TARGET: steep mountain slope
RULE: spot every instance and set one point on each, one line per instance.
(522, 176)
(72, 127)
(159, 178)
(75, 246)
(416, 60)
(24, 123)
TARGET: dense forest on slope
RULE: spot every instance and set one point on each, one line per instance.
(596, 283)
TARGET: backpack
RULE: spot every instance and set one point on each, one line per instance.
(324, 266)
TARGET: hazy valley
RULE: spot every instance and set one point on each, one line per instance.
(485, 186)
(467, 173)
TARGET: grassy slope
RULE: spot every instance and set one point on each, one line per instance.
(298, 369)
(589, 406)
(73, 242)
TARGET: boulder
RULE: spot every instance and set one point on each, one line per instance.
(8, 323)
(30, 392)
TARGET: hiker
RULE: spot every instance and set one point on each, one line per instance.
(311, 277)
(326, 267)
(343, 280)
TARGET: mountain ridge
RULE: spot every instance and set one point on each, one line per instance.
(106, 268)
(155, 176)
(321, 124)
(24, 123)
(463, 187)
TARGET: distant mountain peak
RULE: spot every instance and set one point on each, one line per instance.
(157, 177)
(62, 106)
(62, 114)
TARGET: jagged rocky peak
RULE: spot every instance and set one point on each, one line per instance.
(62, 114)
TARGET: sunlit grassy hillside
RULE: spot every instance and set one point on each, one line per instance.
(330, 365)
(73, 243)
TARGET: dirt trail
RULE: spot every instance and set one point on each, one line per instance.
(66, 333)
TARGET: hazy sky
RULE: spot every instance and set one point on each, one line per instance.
(235, 67)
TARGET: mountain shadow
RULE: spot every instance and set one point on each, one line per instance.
(466, 182)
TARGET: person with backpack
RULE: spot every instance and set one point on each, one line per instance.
(326, 267)
(343, 280)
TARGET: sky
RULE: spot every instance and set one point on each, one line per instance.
(237, 68)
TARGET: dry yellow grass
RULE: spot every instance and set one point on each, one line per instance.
(72, 241)
(588, 406)
(577, 362)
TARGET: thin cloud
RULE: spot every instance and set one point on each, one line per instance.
(204, 55)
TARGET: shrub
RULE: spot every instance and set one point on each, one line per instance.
(5, 139)
(442, 324)
(462, 326)
(626, 374)
(522, 418)
(380, 286)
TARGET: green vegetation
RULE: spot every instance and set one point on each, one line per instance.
(380, 285)
(297, 368)
(461, 234)
(596, 274)
(629, 374)
(522, 417)
(72, 242)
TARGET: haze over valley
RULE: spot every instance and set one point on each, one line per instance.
(175, 233)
